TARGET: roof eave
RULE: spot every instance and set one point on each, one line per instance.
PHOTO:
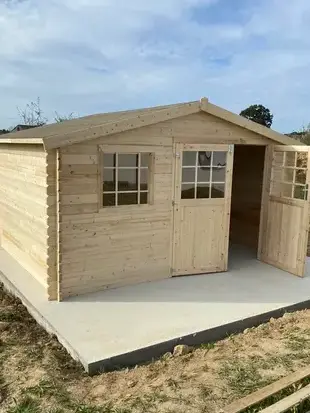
(32, 141)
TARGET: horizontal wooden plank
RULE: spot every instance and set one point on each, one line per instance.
(77, 209)
(116, 241)
(291, 148)
(101, 278)
(79, 149)
(206, 147)
(289, 402)
(83, 189)
(77, 199)
(85, 170)
(258, 396)
(287, 201)
(79, 159)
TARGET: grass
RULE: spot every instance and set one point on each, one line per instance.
(242, 376)
(37, 375)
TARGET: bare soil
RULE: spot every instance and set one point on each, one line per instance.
(37, 375)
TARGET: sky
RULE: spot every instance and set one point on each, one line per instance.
(92, 56)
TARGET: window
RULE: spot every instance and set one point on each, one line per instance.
(203, 174)
(289, 171)
(125, 178)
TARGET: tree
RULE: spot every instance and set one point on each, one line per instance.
(32, 115)
(259, 114)
(61, 118)
(303, 135)
(3, 131)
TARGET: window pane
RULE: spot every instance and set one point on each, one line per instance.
(286, 190)
(300, 177)
(219, 159)
(290, 159)
(109, 159)
(299, 192)
(278, 158)
(203, 174)
(127, 199)
(276, 188)
(143, 197)
(145, 157)
(189, 158)
(204, 158)
(218, 174)
(127, 180)
(127, 159)
(277, 174)
(108, 180)
(217, 190)
(188, 191)
(188, 174)
(203, 190)
(288, 175)
(144, 176)
(108, 199)
(302, 159)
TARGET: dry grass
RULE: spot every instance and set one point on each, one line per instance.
(37, 375)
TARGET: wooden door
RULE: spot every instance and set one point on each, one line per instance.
(285, 208)
(202, 198)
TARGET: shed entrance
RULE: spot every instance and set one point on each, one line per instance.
(247, 195)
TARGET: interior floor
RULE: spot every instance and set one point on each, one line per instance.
(246, 197)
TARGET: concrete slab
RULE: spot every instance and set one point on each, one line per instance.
(133, 324)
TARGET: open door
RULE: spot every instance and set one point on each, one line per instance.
(202, 198)
(284, 220)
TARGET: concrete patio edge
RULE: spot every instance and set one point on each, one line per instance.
(146, 354)
(40, 319)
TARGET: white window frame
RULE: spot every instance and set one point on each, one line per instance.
(197, 182)
(124, 151)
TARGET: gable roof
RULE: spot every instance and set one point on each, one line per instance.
(91, 127)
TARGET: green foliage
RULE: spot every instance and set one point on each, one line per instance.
(259, 114)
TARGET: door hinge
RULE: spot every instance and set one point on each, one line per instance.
(173, 203)
(230, 148)
(177, 154)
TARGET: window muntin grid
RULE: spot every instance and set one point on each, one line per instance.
(203, 174)
(289, 173)
(125, 179)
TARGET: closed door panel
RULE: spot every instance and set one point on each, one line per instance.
(202, 201)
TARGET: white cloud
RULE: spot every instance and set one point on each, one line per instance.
(94, 55)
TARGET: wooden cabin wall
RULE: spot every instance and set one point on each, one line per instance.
(107, 247)
(246, 194)
(23, 205)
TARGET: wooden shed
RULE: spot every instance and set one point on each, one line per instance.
(127, 197)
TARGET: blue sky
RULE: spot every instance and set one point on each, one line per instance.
(90, 56)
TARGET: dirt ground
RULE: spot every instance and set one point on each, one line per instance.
(37, 375)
